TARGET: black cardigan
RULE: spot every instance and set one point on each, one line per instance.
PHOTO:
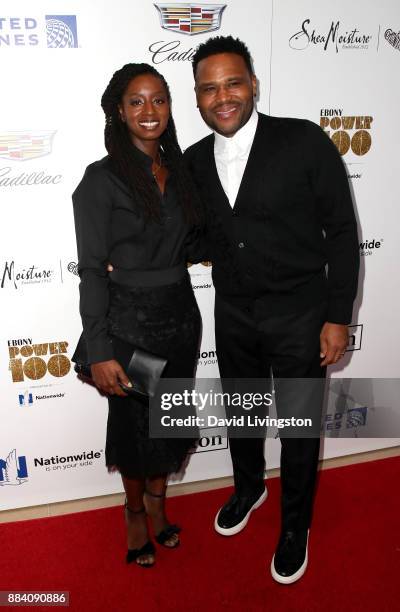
(293, 216)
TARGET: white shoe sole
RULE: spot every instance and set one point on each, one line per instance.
(294, 577)
(237, 528)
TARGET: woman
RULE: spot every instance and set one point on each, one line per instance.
(135, 210)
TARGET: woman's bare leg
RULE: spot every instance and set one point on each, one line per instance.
(135, 518)
(154, 502)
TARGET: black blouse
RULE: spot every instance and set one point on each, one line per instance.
(111, 228)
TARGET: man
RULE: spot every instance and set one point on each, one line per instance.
(279, 212)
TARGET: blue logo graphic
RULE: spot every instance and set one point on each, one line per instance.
(356, 417)
(13, 470)
(61, 31)
(25, 399)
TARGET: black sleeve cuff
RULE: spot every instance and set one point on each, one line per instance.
(99, 349)
(339, 312)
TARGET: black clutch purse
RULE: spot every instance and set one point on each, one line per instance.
(143, 369)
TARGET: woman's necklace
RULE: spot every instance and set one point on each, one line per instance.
(159, 166)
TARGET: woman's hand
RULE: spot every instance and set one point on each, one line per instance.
(107, 375)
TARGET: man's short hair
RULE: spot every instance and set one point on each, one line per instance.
(222, 44)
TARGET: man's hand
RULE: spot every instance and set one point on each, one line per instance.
(107, 375)
(334, 339)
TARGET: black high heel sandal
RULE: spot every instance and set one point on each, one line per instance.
(169, 530)
(147, 549)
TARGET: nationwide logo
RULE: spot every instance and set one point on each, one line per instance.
(34, 361)
(203, 286)
(20, 146)
(334, 36)
(393, 39)
(68, 462)
(369, 247)
(355, 337)
(207, 358)
(347, 132)
(13, 470)
(15, 277)
(190, 18)
(208, 442)
(54, 31)
(25, 399)
(184, 18)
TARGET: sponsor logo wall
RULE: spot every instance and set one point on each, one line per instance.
(336, 67)
(52, 31)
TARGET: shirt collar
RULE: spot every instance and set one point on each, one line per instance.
(242, 139)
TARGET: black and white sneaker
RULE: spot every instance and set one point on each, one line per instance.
(235, 514)
(291, 557)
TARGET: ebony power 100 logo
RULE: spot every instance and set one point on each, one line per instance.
(350, 133)
(34, 361)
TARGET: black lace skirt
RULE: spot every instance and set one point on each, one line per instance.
(165, 321)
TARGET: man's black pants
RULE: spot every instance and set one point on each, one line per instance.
(249, 344)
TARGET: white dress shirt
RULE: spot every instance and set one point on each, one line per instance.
(231, 155)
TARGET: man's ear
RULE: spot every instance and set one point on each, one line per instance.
(254, 83)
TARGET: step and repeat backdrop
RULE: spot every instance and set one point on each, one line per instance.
(336, 65)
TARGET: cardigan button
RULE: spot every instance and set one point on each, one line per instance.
(241, 245)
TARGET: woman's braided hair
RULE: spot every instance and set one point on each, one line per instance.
(125, 158)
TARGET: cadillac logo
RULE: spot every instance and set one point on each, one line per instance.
(19, 146)
(190, 18)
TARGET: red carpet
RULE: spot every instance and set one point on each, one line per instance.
(354, 554)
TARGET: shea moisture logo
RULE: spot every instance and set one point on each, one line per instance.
(29, 275)
(347, 132)
(73, 268)
(393, 39)
(34, 361)
(334, 36)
